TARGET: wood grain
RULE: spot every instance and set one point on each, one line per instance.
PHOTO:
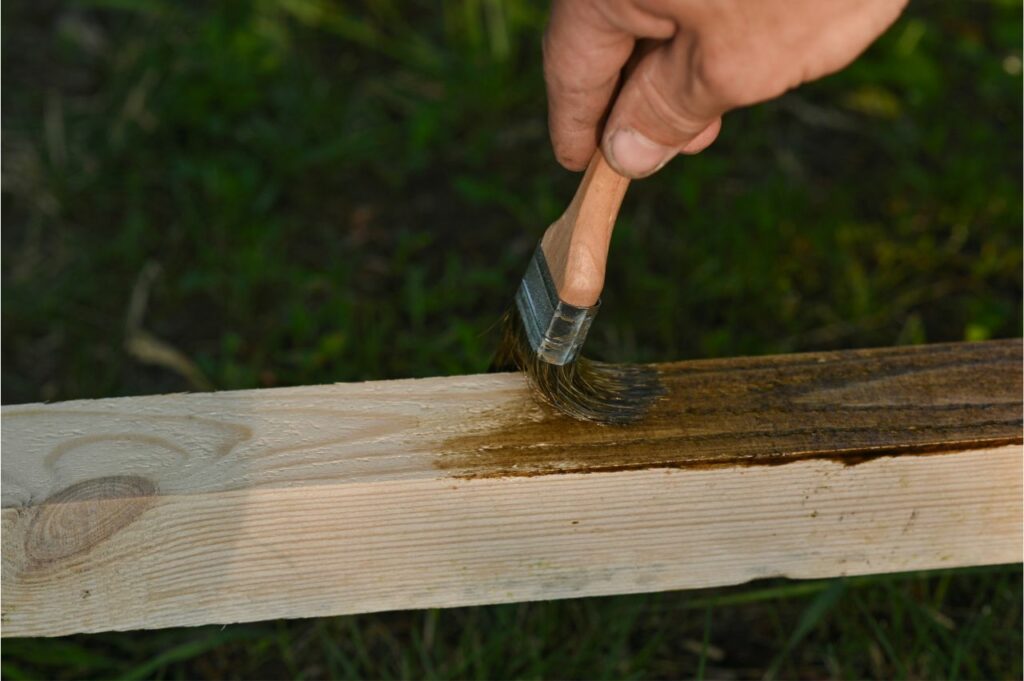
(576, 245)
(214, 508)
(846, 406)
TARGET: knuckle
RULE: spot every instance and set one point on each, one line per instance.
(718, 71)
(667, 119)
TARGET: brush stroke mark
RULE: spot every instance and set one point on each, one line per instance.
(849, 407)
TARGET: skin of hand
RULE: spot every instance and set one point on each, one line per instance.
(684, 63)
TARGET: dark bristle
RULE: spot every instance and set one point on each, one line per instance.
(585, 389)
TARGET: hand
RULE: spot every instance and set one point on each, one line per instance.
(697, 60)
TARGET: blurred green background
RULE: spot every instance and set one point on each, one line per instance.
(245, 194)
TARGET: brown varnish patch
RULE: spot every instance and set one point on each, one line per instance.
(848, 407)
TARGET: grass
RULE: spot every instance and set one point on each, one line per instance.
(951, 624)
(296, 192)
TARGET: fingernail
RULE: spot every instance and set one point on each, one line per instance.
(635, 155)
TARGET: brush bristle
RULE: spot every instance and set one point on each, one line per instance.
(584, 389)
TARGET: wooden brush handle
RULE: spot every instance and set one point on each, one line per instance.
(576, 245)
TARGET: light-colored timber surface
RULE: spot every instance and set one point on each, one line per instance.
(223, 507)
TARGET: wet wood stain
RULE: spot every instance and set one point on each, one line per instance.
(848, 406)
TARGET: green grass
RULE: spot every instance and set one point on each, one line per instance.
(336, 194)
(954, 624)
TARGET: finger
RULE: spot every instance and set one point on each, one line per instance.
(659, 112)
(585, 47)
(703, 139)
(850, 33)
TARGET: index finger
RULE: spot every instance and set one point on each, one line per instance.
(583, 54)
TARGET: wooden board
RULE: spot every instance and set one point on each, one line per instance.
(224, 507)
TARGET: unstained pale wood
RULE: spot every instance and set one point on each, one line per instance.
(214, 508)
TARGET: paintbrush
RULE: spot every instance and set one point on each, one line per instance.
(556, 302)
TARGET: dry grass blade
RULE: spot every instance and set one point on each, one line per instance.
(146, 347)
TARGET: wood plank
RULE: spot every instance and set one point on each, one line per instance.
(214, 508)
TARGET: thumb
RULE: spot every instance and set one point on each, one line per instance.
(659, 113)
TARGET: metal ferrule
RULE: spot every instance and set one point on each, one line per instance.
(556, 330)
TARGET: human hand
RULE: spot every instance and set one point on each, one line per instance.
(697, 60)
